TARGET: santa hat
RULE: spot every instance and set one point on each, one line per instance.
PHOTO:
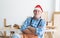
(38, 7)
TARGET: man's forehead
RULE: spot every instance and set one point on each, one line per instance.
(37, 10)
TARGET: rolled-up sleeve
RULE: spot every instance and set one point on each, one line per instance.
(40, 31)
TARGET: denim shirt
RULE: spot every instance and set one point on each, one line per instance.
(39, 31)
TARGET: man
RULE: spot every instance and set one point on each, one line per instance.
(34, 25)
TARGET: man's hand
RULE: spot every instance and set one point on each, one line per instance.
(27, 31)
(32, 29)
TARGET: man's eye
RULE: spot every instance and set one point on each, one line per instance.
(35, 10)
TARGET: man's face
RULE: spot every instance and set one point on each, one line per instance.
(37, 13)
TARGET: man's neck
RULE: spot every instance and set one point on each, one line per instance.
(36, 17)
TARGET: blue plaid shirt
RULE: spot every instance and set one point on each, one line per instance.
(39, 31)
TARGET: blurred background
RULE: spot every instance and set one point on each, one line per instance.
(16, 11)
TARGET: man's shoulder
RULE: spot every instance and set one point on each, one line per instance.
(43, 20)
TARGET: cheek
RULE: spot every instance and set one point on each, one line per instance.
(39, 13)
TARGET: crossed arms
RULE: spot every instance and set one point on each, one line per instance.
(30, 30)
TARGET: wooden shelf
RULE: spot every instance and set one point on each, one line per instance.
(50, 27)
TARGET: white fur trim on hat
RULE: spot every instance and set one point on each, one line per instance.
(37, 9)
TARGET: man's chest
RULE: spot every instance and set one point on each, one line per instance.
(35, 23)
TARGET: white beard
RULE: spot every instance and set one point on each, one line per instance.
(37, 16)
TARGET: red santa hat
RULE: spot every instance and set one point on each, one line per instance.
(38, 7)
